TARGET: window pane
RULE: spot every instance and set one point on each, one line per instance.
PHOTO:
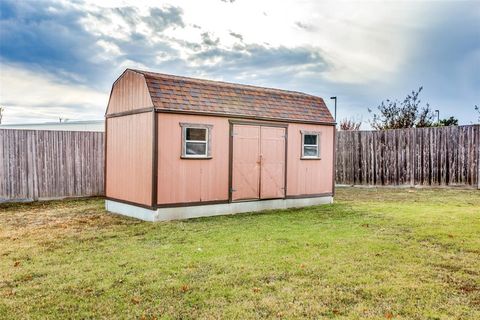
(310, 151)
(310, 139)
(196, 134)
(196, 148)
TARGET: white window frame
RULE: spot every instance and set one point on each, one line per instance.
(207, 141)
(310, 133)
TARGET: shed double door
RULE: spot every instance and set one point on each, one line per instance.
(258, 162)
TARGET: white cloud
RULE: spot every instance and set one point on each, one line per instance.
(110, 50)
(362, 41)
(34, 95)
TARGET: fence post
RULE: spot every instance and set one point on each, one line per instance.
(478, 157)
(413, 155)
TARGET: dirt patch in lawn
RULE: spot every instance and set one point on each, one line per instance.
(52, 219)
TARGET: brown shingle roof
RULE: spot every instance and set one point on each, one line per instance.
(175, 93)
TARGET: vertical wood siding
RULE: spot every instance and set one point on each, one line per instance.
(129, 158)
(50, 164)
(128, 93)
(191, 180)
(415, 157)
(306, 177)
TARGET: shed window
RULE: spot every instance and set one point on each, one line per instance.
(196, 140)
(310, 145)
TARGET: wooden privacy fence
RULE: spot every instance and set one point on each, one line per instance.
(55, 164)
(444, 156)
(38, 164)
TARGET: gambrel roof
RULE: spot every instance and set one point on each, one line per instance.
(182, 94)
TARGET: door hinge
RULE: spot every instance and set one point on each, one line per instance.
(232, 190)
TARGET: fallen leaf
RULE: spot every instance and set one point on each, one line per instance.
(184, 288)
(135, 300)
(388, 315)
(16, 264)
(256, 289)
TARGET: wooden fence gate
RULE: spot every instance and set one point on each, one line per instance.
(444, 156)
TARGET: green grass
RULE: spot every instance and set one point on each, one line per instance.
(375, 253)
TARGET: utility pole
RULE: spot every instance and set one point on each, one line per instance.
(335, 98)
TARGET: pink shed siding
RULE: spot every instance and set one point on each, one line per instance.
(129, 158)
(200, 180)
(191, 180)
(129, 92)
(309, 176)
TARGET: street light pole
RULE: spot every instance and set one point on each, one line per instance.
(335, 98)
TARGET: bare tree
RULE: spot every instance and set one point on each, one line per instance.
(395, 114)
(478, 110)
(350, 125)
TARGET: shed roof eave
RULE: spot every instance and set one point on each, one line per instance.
(240, 116)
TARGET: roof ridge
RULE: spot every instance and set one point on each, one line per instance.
(223, 83)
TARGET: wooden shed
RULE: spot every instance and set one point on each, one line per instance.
(180, 147)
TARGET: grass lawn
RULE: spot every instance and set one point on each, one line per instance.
(375, 253)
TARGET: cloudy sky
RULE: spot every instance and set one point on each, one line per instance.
(59, 58)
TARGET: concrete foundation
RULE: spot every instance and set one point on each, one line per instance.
(187, 212)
